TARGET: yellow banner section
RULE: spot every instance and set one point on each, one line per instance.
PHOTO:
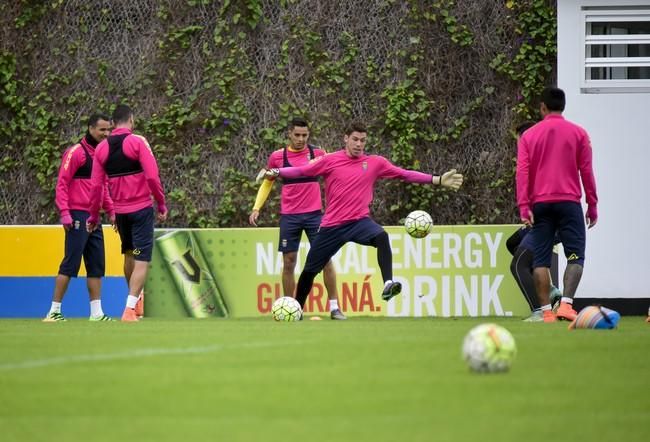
(38, 251)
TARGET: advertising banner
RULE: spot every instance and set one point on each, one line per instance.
(454, 271)
(29, 263)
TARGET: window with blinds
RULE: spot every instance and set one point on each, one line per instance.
(616, 50)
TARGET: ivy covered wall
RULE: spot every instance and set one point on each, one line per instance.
(440, 84)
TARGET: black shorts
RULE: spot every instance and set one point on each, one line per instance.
(329, 240)
(136, 233)
(291, 227)
(79, 243)
(565, 218)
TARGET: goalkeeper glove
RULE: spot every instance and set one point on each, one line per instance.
(268, 174)
(451, 179)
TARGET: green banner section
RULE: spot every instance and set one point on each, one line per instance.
(454, 271)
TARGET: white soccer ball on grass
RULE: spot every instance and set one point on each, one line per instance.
(286, 309)
(489, 348)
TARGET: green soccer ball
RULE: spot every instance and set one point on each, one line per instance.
(286, 309)
(418, 224)
(489, 348)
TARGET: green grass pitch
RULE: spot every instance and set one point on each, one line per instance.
(365, 379)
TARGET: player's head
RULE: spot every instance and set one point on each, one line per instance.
(553, 100)
(523, 127)
(99, 126)
(298, 130)
(123, 116)
(355, 139)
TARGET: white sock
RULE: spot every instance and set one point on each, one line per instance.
(546, 307)
(131, 301)
(96, 308)
(56, 307)
(388, 282)
(334, 304)
(567, 300)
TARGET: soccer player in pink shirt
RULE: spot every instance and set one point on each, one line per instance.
(133, 180)
(553, 158)
(300, 209)
(350, 176)
(73, 201)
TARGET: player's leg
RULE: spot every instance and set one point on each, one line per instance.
(329, 277)
(75, 241)
(541, 240)
(95, 262)
(524, 243)
(515, 239)
(311, 225)
(60, 287)
(129, 264)
(142, 236)
(521, 269)
(291, 227)
(368, 233)
(325, 245)
(123, 223)
(124, 228)
(573, 235)
(136, 232)
(288, 269)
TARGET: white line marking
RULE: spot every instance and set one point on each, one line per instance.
(139, 353)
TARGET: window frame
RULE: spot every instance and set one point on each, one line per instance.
(592, 14)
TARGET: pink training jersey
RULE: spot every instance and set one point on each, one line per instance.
(130, 193)
(552, 158)
(73, 193)
(349, 183)
(297, 197)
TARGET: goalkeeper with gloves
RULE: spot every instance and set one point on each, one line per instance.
(350, 176)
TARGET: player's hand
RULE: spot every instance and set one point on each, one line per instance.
(526, 216)
(451, 179)
(111, 219)
(66, 221)
(161, 216)
(92, 223)
(591, 217)
(252, 219)
(269, 174)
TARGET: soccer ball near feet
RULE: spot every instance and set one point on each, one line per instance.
(286, 309)
(418, 224)
(489, 348)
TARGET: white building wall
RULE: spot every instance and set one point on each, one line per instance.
(617, 263)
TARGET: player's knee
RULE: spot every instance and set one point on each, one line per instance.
(381, 240)
(575, 259)
(307, 277)
(329, 267)
(289, 260)
(522, 261)
(513, 242)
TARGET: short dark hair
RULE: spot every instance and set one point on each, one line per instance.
(94, 118)
(122, 113)
(356, 126)
(297, 122)
(523, 127)
(554, 99)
